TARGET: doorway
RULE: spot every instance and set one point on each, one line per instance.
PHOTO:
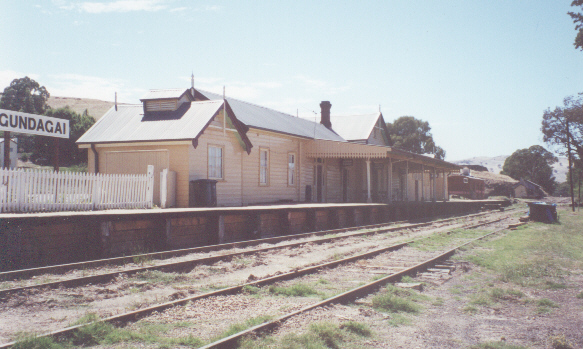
(344, 185)
(319, 177)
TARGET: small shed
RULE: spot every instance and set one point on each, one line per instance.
(526, 189)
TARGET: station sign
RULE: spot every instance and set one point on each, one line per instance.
(14, 121)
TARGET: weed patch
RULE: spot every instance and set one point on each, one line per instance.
(397, 320)
(395, 304)
(497, 345)
(357, 328)
(560, 342)
(250, 289)
(470, 309)
(156, 276)
(538, 255)
(551, 285)
(297, 290)
(236, 328)
(31, 341)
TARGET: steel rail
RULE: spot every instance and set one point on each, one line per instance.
(137, 314)
(62, 268)
(345, 297)
(106, 277)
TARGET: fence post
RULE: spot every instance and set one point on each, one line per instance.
(20, 191)
(150, 188)
(96, 191)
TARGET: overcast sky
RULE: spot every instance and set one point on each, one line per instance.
(481, 72)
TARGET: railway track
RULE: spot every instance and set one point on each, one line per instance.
(103, 277)
(282, 277)
(438, 262)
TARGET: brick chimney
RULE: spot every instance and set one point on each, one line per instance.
(325, 114)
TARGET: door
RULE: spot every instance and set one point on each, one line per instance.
(416, 190)
(344, 185)
(319, 183)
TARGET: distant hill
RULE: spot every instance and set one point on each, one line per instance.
(95, 107)
(495, 164)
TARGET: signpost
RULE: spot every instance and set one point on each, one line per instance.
(13, 121)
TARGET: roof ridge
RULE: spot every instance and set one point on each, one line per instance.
(257, 105)
(375, 113)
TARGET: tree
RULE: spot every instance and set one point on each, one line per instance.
(533, 164)
(578, 20)
(27, 96)
(69, 153)
(563, 189)
(411, 134)
(565, 124)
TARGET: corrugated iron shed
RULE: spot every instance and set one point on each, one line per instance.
(129, 124)
(268, 119)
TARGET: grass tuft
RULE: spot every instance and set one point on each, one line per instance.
(250, 289)
(545, 302)
(395, 304)
(357, 328)
(560, 342)
(328, 333)
(497, 345)
(236, 328)
(32, 341)
(297, 290)
(551, 285)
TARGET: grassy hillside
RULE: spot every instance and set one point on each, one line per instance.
(495, 164)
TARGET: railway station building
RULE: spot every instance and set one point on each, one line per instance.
(258, 155)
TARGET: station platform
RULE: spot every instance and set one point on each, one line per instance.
(29, 240)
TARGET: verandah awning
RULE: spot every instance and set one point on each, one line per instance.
(319, 148)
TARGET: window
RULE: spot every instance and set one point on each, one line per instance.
(263, 166)
(291, 169)
(215, 162)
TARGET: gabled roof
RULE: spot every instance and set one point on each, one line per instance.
(165, 94)
(354, 127)
(271, 120)
(129, 123)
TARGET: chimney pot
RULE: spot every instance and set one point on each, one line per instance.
(325, 114)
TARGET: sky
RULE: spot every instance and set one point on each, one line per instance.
(480, 72)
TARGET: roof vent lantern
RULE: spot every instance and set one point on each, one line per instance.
(165, 100)
(325, 107)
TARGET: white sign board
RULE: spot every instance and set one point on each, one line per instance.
(41, 125)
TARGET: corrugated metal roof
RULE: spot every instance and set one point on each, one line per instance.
(129, 124)
(268, 119)
(354, 127)
(163, 94)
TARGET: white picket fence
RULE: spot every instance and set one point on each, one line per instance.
(38, 191)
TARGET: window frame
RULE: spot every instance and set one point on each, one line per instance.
(291, 172)
(222, 157)
(262, 168)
